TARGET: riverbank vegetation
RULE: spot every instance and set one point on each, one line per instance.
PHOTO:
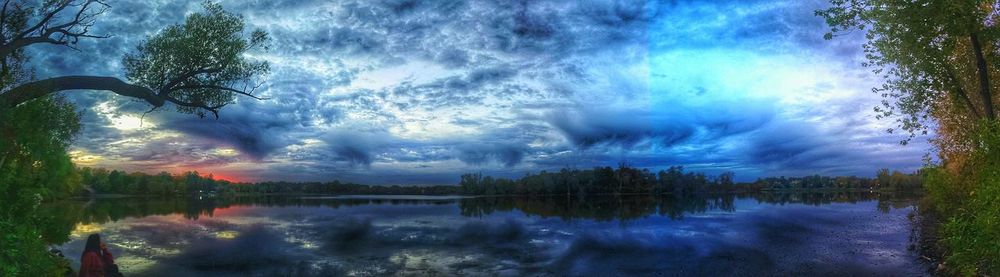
(969, 201)
(34, 167)
(939, 62)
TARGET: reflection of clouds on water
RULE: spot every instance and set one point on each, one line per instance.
(636, 255)
(256, 247)
(480, 233)
(84, 229)
(475, 246)
(432, 239)
(349, 234)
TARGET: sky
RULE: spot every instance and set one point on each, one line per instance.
(420, 92)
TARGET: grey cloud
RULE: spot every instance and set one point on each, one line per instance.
(252, 133)
(357, 147)
(589, 128)
(519, 73)
(467, 89)
(453, 58)
(505, 154)
(344, 39)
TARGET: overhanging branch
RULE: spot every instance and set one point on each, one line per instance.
(41, 88)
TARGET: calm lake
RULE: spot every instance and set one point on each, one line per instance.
(788, 234)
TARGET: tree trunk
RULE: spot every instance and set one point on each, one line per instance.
(984, 81)
(41, 88)
(961, 92)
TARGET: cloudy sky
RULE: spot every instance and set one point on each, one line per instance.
(418, 92)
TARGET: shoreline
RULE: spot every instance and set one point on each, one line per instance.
(926, 238)
(767, 191)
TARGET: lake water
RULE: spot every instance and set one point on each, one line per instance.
(749, 235)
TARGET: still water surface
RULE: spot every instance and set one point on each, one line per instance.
(749, 235)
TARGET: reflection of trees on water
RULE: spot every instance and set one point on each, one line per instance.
(598, 208)
(105, 210)
(674, 207)
(63, 216)
(66, 214)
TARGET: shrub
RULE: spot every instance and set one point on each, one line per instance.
(970, 199)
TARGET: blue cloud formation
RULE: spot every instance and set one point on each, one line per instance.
(418, 92)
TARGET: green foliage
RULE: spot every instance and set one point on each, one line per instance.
(200, 61)
(922, 51)
(33, 146)
(23, 252)
(34, 167)
(199, 65)
(138, 183)
(895, 180)
(938, 59)
(970, 201)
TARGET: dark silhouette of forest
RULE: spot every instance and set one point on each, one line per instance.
(626, 180)
(623, 180)
(192, 183)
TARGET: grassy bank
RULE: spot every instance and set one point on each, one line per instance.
(967, 201)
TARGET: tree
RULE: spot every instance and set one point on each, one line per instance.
(936, 56)
(939, 59)
(726, 178)
(33, 160)
(34, 167)
(199, 66)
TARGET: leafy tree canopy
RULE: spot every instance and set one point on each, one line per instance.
(199, 66)
(936, 56)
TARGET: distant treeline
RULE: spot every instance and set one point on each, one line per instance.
(337, 187)
(623, 180)
(602, 180)
(105, 181)
(100, 180)
(884, 180)
(628, 180)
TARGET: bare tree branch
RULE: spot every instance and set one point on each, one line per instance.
(3, 21)
(32, 90)
(45, 19)
(68, 32)
(236, 91)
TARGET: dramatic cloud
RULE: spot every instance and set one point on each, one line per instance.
(419, 92)
(357, 148)
(506, 154)
(622, 128)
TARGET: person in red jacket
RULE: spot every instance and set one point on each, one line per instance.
(96, 260)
